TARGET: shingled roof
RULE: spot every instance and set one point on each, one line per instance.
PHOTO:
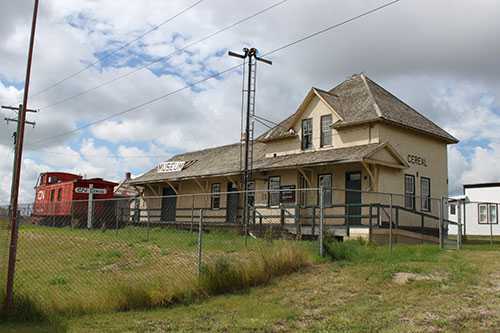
(360, 100)
(225, 160)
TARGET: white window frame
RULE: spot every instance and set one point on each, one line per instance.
(215, 196)
(325, 130)
(453, 209)
(308, 134)
(425, 200)
(409, 195)
(489, 218)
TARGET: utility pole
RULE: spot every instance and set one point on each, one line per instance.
(14, 135)
(9, 290)
(251, 55)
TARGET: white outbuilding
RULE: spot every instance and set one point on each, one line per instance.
(476, 209)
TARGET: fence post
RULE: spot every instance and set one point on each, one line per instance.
(297, 222)
(441, 213)
(390, 222)
(491, 231)
(200, 239)
(192, 214)
(370, 223)
(459, 225)
(321, 221)
(90, 207)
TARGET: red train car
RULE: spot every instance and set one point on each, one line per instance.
(61, 198)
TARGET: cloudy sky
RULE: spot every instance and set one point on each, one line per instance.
(442, 57)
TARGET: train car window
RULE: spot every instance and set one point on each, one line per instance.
(52, 192)
(59, 194)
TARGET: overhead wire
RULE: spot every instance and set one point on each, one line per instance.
(164, 58)
(109, 54)
(218, 74)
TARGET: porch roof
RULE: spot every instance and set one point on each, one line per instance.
(225, 160)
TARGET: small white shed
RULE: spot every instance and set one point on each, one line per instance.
(477, 209)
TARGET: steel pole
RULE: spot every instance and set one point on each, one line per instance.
(200, 240)
(9, 290)
(321, 222)
(247, 142)
(90, 207)
(441, 213)
(390, 223)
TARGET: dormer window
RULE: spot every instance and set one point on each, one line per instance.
(326, 130)
(307, 133)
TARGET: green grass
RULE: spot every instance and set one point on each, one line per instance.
(146, 280)
(70, 272)
(342, 296)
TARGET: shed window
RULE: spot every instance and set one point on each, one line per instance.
(307, 133)
(215, 196)
(492, 214)
(453, 209)
(274, 186)
(325, 182)
(326, 130)
(488, 213)
(409, 191)
(483, 213)
(425, 192)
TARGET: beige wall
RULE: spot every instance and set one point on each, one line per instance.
(346, 137)
(407, 142)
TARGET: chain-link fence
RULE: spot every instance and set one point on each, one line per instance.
(473, 222)
(82, 255)
(4, 240)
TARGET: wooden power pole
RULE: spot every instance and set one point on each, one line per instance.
(9, 290)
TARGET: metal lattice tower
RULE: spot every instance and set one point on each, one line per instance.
(250, 59)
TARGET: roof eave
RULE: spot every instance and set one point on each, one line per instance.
(450, 140)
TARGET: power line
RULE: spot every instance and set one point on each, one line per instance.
(159, 98)
(139, 106)
(103, 155)
(156, 27)
(161, 59)
(269, 121)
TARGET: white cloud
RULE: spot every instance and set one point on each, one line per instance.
(441, 57)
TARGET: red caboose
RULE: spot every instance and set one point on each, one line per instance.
(61, 198)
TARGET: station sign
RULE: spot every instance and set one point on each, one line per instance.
(416, 160)
(87, 190)
(174, 166)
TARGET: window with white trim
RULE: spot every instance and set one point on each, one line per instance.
(493, 213)
(326, 130)
(425, 192)
(274, 186)
(453, 209)
(215, 196)
(307, 133)
(409, 192)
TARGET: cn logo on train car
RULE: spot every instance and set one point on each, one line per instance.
(62, 198)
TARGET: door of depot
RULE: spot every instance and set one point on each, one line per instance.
(232, 203)
(168, 204)
(353, 197)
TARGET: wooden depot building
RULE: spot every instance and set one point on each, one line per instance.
(357, 136)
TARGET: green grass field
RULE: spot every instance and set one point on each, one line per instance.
(442, 292)
(363, 288)
(74, 271)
